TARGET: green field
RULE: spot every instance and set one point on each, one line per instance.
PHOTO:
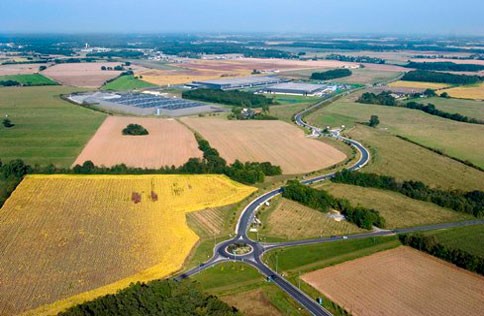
(398, 210)
(47, 129)
(403, 160)
(469, 238)
(229, 280)
(127, 83)
(30, 80)
(470, 108)
(461, 140)
(318, 256)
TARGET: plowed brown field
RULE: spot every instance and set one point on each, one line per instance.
(401, 281)
(168, 143)
(277, 142)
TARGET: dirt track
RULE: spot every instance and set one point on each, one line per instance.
(169, 143)
(278, 142)
(401, 281)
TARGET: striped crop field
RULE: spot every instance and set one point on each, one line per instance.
(90, 235)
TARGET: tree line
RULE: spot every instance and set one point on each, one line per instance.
(440, 77)
(385, 98)
(430, 245)
(322, 201)
(356, 59)
(444, 66)
(232, 97)
(11, 174)
(331, 74)
(467, 202)
(159, 297)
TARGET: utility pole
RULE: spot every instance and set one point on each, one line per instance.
(299, 280)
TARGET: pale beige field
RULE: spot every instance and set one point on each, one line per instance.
(291, 220)
(475, 92)
(252, 303)
(87, 75)
(277, 142)
(65, 239)
(401, 281)
(19, 69)
(417, 85)
(168, 143)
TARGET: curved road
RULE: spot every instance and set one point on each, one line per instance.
(254, 258)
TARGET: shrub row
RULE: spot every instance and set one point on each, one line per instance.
(467, 202)
(233, 97)
(322, 201)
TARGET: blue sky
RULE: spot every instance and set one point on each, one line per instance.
(324, 16)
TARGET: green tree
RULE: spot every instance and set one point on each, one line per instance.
(444, 95)
(374, 121)
(7, 123)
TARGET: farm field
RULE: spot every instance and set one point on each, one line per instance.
(289, 220)
(44, 126)
(168, 143)
(133, 228)
(417, 85)
(475, 92)
(448, 136)
(127, 83)
(401, 281)
(398, 210)
(30, 79)
(87, 75)
(199, 70)
(403, 160)
(19, 69)
(469, 108)
(275, 141)
(469, 238)
(311, 257)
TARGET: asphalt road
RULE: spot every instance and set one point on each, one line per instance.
(254, 258)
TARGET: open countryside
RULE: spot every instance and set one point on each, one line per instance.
(241, 159)
(168, 143)
(255, 141)
(137, 215)
(392, 283)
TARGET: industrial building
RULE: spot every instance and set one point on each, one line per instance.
(237, 83)
(143, 103)
(297, 88)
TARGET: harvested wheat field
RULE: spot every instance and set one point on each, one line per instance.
(475, 92)
(87, 75)
(278, 142)
(65, 239)
(417, 85)
(401, 281)
(168, 143)
(19, 69)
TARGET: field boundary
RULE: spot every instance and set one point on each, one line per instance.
(437, 151)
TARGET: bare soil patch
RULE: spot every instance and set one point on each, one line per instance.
(277, 142)
(168, 143)
(252, 303)
(401, 281)
(87, 75)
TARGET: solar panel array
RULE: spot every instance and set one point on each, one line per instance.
(140, 100)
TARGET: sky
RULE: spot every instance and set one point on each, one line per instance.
(443, 17)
